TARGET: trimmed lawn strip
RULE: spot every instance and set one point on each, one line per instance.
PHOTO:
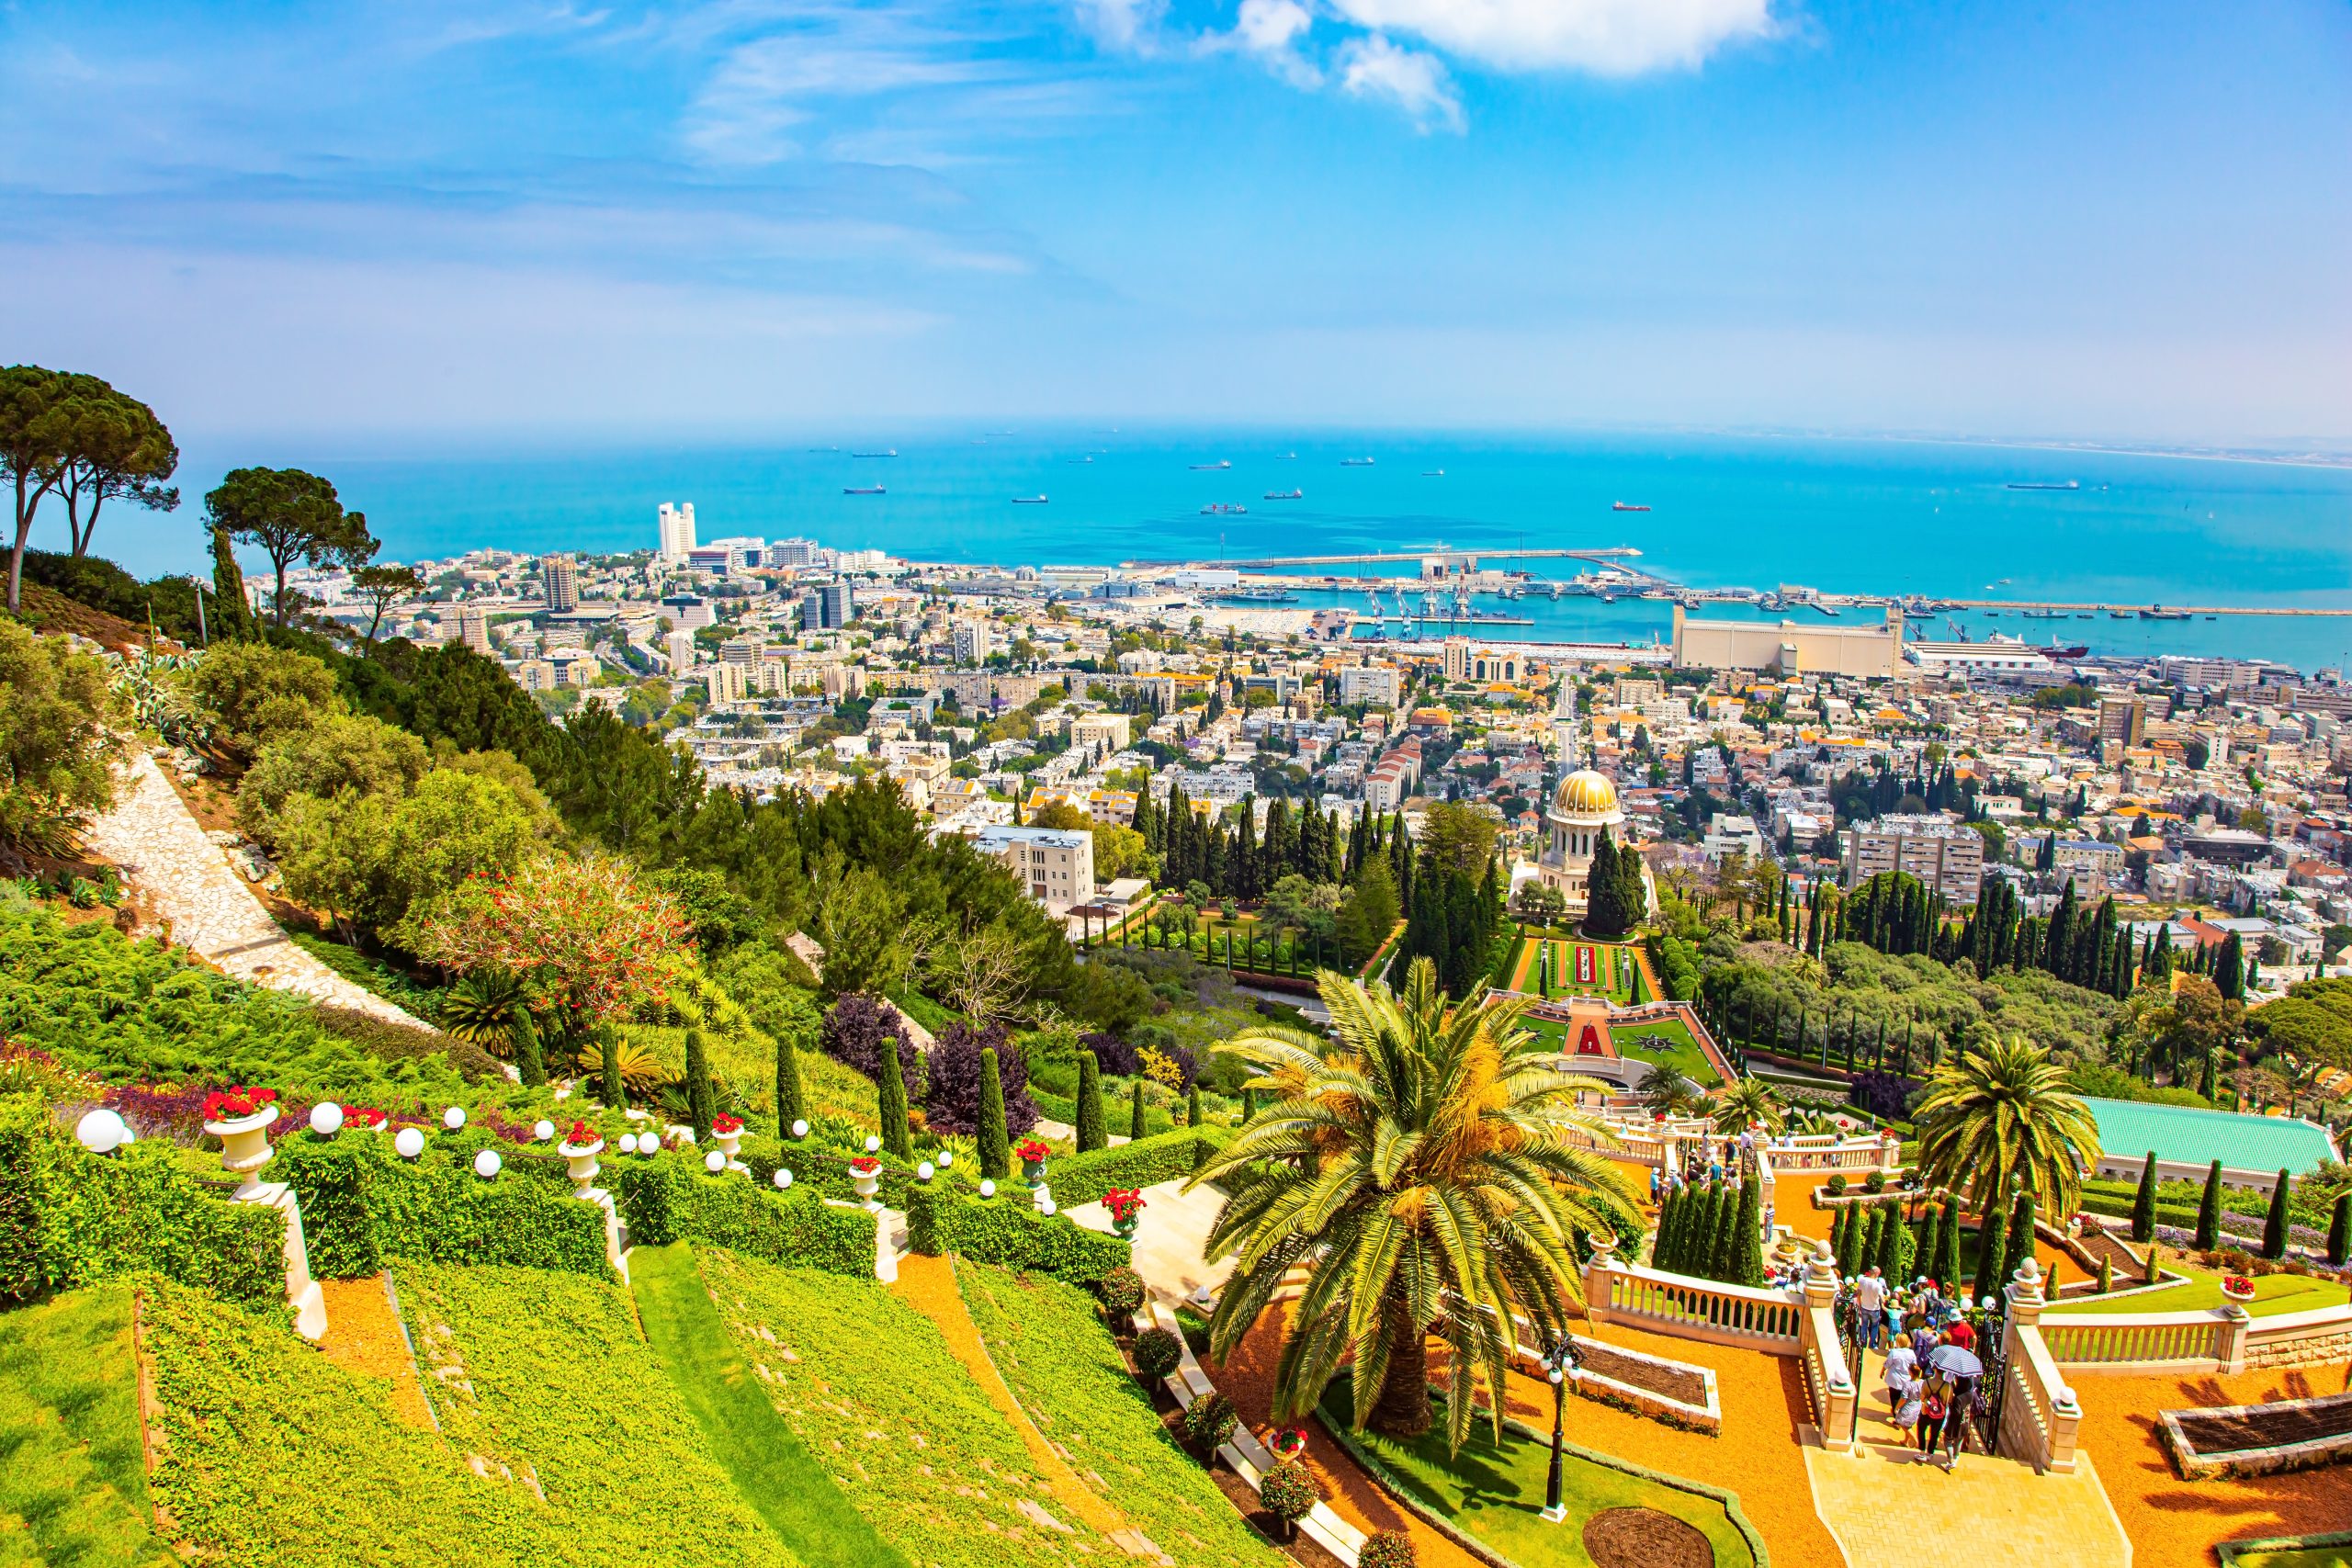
(73, 1479)
(1496, 1494)
(1048, 1341)
(868, 1384)
(548, 1374)
(271, 1456)
(2273, 1294)
(775, 1472)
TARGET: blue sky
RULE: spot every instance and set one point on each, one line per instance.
(415, 220)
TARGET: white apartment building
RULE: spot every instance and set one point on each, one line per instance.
(1110, 730)
(973, 641)
(473, 627)
(1055, 866)
(1947, 856)
(677, 523)
(1379, 683)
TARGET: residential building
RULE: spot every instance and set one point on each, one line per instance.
(1380, 684)
(1054, 866)
(473, 627)
(827, 606)
(2122, 718)
(560, 574)
(1946, 855)
(677, 532)
(972, 641)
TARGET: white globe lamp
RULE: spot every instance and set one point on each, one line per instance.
(487, 1164)
(454, 1117)
(409, 1142)
(326, 1118)
(714, 1162)
(543, 1130)
(102, 1131)
(782, 1178)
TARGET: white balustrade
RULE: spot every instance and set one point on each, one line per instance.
(2145, 1342)
(1691, 1308)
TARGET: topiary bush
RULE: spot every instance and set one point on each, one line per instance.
(1157, 1352)
(1835, 1186)
(1874, 1183)
(1388, 1548)
(1122, 1292)
(1209, 1420)
(1289, 1492)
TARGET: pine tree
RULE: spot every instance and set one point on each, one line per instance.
(701, 1103)
(892, 1102)
(615, 1092)
(1092, 1134)
(2143, 1203)
(2208, 1210)
(1135, 1113)
(996, 1150)
(2274, 1227)
(2339, 1231)
(1989, 1245)
(530, 1061)
(791, 1103)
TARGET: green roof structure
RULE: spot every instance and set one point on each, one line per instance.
(2184, 1134)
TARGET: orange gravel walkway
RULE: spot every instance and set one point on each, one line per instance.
(363, 1337)
(2175, 1523)
(1792, 1206)
(1247, 1379)
(928, 1284)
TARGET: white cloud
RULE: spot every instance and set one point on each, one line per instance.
(1417, 84)
(1614, 38)
(1126, 27)
(1270, 31)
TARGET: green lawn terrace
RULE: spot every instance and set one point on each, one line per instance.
(1665, 1041)
(1547, 965)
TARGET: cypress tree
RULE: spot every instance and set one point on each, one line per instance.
(2208, 1210)
(2339, 1231)
(890, 1102)
(1989, 1244)
(2274, 1227)
(1722, 1213)
(529, 1060)
(1840, 1224)
(2020, 1239)
(996, 1149)
(1193, 1106)
(1135, 1113)
(1248, 1106)
(2143, 1203)
(1747, 1268)
(791, 1104)
(1091, 1132)
(700, 1102)
(1669, 1218)
(609, 1040)
(1890, 1245)
(1946, 1254)
(1850, 1249)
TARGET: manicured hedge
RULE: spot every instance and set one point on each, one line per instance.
(665, 1200)
(69, 1217)
(362, 1204)
(1063, 1108)
(1008, 1232)
(1083, 1178)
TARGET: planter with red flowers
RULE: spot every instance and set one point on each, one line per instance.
(1286, 1442)
(2236, 1290)
(239, 1117)
(727, 1131)
(865, 1175)
(1031, 1155)
(580, 1148)
(1126, 1205)
(367, 1118)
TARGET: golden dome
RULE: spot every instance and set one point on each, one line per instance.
(1585, 793)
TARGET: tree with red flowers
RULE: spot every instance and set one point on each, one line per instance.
(586, 930)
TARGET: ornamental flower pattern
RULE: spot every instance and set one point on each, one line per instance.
(584, 929)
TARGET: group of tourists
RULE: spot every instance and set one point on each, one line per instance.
(1932, 1368)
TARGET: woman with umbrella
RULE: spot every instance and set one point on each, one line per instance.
(1959, 1370)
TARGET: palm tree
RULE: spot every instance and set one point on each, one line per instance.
(1668, 1092)
(2002, 1116)
(1429, 1168)
(1740, 1105)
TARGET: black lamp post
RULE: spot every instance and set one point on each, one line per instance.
(1562, 1358)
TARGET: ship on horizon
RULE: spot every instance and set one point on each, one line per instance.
(1629, 506)
(1211, 468)
(863, 489)
(1293, 495)
(1355, 462)
(891, 453)
(2045, 484)
(1038, 499)
(1223, 509)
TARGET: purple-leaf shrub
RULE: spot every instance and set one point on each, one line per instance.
(854, 1035)
(952, 1100)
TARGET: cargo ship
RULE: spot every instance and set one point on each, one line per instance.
(1028, 501)
(891, 453)
(1627, 506)
(1223, 509)
(1286, 495)
(1211, 468)
(1355, 462)
(2040, 484)
(862, 490)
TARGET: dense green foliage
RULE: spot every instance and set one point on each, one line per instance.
(869, 1384)
(73, 1473)
(549, 1376)
(1161, 1157)
(57, 740)
(666, 1200)
(1062, 1365)
(70, 1218)
(362, 1204)
(1008, 1233)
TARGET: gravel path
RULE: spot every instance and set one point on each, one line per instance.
(153, 837)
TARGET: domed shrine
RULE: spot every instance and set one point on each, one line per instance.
(1584, 803)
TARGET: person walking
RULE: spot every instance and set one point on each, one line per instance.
(1959, 1405)
(1902, 1372)
(1932, 1411)
(1869, 1306)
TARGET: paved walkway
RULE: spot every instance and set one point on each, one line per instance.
(1168, 1243)
(153, 837)
(1890, 1507)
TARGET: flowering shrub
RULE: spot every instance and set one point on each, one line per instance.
(726, 1123)
(1121, 1290)
(1289, 1492)
(1164, 1067)
(582, 1135)
(1157, 1352)
(864, 1165)
(1209, 1420)
(1388, 1548)
(2236, 1285)
(591, 937)
(237, 1101)
(1125, 1203)
(367, 1116)
(1030, 1151)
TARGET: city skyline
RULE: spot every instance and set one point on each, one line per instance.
(552, 222)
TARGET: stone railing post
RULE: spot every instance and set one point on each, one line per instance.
(2230, 1337)
(2037, 1405)
(1824, 1357)
(1600, 1278)
(1890, 1153)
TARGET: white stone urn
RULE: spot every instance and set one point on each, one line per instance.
(582, 1160)
(729, 1144)
(867, 1181)
(244, 1145)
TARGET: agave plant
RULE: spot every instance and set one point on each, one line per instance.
(1429, 1167)
(480, 1009)
(642, 1071)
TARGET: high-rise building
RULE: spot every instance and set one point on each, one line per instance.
(561, 575)
(473, 627)
(681, 649)
(2122, 718)
(827, 606)
(972, 642)
(1940, 852)
(677, 532)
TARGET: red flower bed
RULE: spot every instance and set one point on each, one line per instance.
(582, 1135)
(864, 1165)
(237, 1101)
(725, 1123)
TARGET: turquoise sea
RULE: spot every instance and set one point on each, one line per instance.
(1863, 515)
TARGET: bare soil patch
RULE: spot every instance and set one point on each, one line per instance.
(1644, 1538)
